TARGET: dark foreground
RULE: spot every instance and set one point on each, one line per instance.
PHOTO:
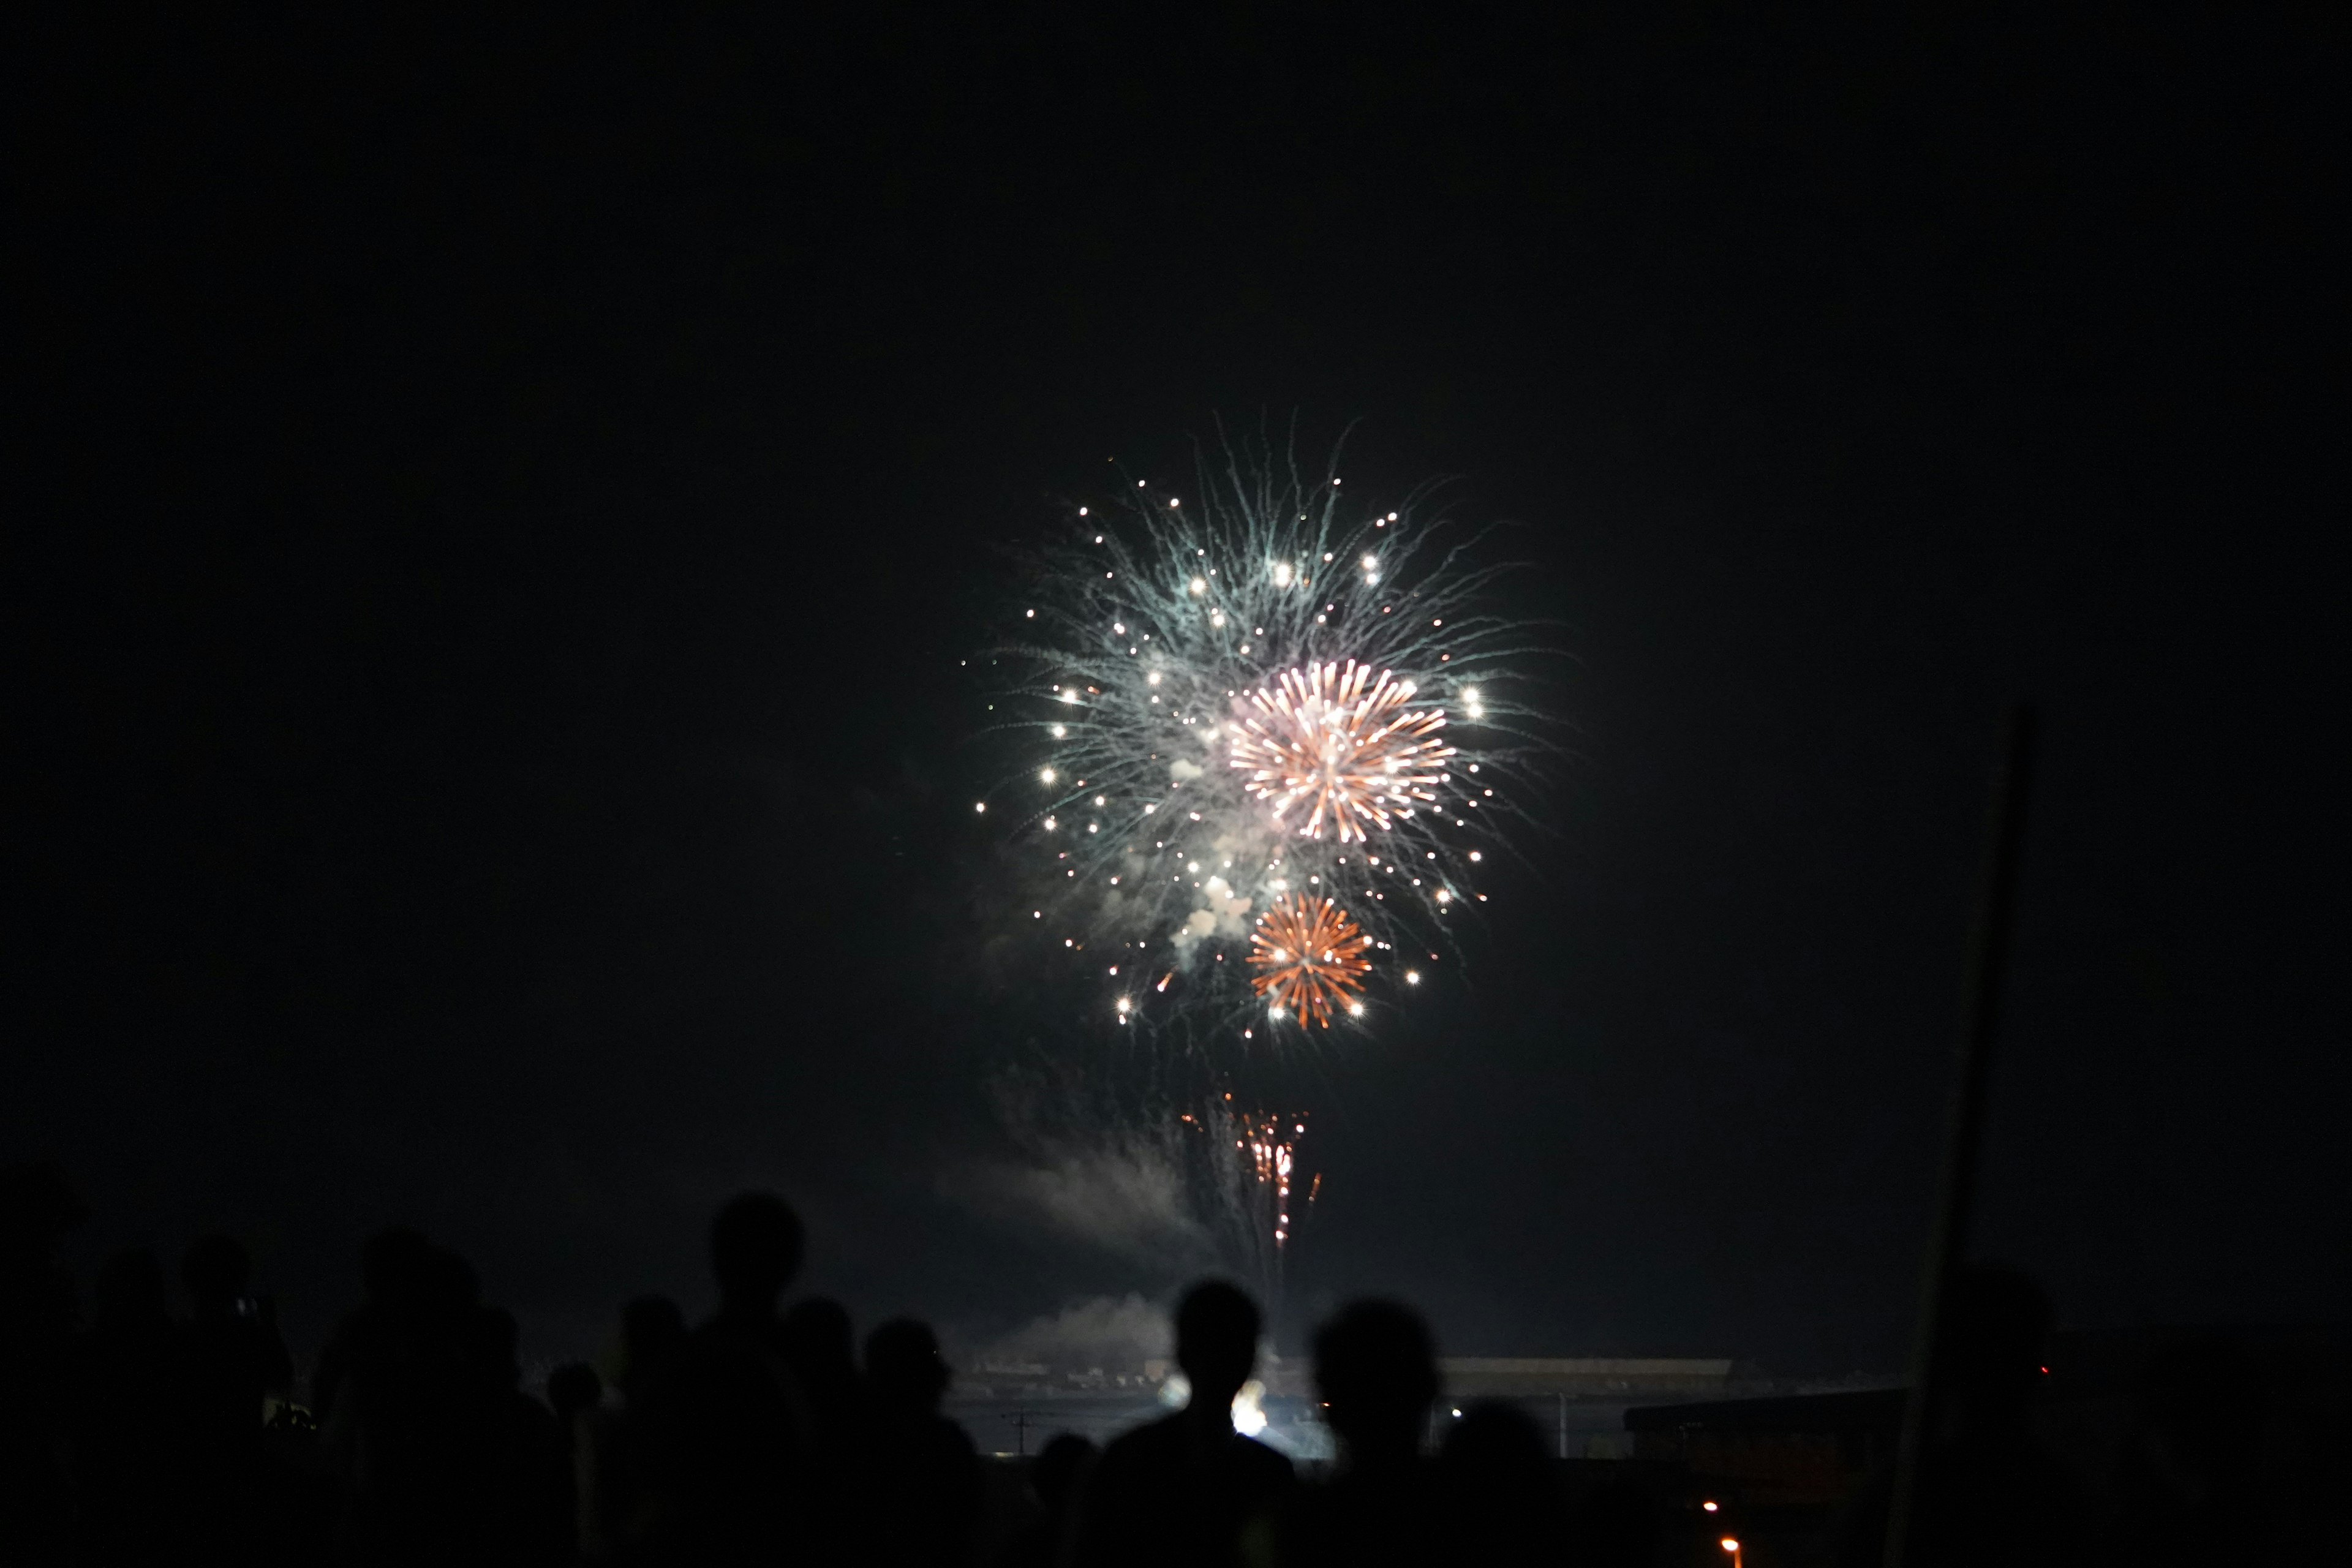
(761, 1435)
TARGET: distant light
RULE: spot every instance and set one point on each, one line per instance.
(979, 805)
(1153, 678)
(1069, 694)
(1474, 855)
(1457, 1413)
(1044, 776)
(1710, 1505)
(1730, 1543)
(1200, 585)
(1124, 1004)
(1031, 614)
(1081, 511)
(1058, 731)
(1355, 1009)
(1413, 977)
(1282, 573)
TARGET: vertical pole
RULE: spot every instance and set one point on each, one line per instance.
(1988, 954)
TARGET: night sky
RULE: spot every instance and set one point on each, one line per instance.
(497, 510)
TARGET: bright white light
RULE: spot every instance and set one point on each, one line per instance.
(979, 805)
(1045, 775)
(1200, 585)
(1069, 694)
(1098, 800)
(1153, 678)
(1476, 856)
(1370, 563)
(1249, 1418)
(1355, 1009)
(1029, 614)
(1124, 1004)
(1413, 977)
(1049, 825)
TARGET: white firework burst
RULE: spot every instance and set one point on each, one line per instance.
(1251, 688)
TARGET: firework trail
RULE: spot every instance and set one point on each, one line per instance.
(1268, 719)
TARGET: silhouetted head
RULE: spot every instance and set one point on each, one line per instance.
(1995, 1326)
(1496, 1473)
(130, 1297)
(1061, 1465)
(1377, 1369)
(1216, 1342)
(755, 1250)
(904, 1370)
(651, 1327)
(216, 1271)
(573, 1388)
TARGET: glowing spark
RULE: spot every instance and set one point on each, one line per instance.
(1309, 956)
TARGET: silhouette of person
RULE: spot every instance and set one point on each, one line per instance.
(38, 1207)
(125, 1427)
(1986, 1492)
(1376, 1368)
(409, 1391)
(726, 1425)
(920, 1482)
(228, 1357)
(1500, 1497)
(574, 1393)
(1185, 1488)
(1056, 1479)
(623, 1500)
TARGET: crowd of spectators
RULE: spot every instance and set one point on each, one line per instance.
(763, 1435)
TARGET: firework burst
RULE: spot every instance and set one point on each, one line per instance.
(1255, 693)
(1310, 958)
(1357, 757)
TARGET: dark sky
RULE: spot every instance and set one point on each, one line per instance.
(497, 507)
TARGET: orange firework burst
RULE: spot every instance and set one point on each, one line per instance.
(1310, 957)
(1318, 739)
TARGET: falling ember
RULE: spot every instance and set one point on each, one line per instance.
(1319, 740)
(1310, 958)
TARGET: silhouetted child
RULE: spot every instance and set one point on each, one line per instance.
(1376, 1368)
(1500, 1496)
(574, 1393)
(622, 1501)
(920, 1485)
(1185, 1488)
(227, 1358)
